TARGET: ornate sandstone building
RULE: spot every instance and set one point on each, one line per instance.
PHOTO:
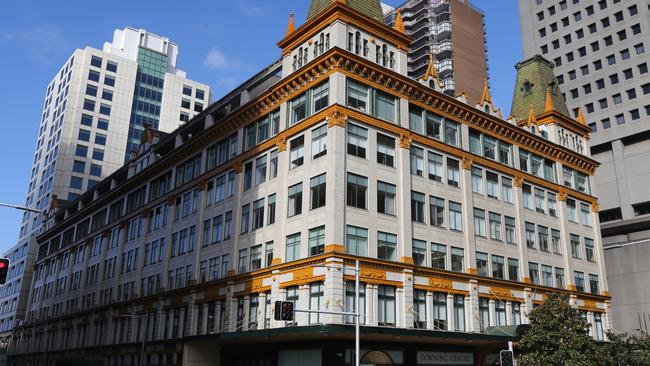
(462, 221)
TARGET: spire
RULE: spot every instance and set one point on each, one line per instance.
(292, 25)
(581, 117)
(399, 22)
(486, 97)
(431, 70)
(549, 107)
(531, 116)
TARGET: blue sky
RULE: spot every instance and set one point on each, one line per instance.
(221, 43)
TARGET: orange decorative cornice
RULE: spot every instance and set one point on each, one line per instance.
(276, 261)
(440, 283)
(238, 166)
(562, 195)
(595, 207)
(466, 163)
(336, 119)
(405, 141)
(291, 27)
(332, 248)
(518, 181)
(500, 292)
(281, 144)
(408, 260)
(472, 271)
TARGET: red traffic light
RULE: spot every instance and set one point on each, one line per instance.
(4, 270)
(3, 264)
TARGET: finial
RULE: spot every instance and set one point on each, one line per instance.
(499, 114)
(549, 107)
(531, 116)
(486, 97)
(292, 25)
(581, 117)
(399, 22)
(431, 71)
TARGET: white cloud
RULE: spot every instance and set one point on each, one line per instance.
(40, 42)
(216, 59)
(250, 9)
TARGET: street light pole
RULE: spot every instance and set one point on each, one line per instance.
(357, 315)
(23, 208)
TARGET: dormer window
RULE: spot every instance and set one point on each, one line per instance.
(527, 87)
(533, 129)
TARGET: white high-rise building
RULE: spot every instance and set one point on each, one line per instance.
(93, 116)
(601, 63)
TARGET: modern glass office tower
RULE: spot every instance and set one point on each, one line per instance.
(452, 31)
(93, 116)
(461, 221)
(601, 63)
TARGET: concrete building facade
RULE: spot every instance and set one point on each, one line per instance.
(458, 219)
(94, 114)
(599, 52)
(453, 32)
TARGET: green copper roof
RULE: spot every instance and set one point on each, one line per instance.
(371, 8)
(534, 77)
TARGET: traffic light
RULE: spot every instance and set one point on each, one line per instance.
(507, 358)
(283, 310)
(4, 269)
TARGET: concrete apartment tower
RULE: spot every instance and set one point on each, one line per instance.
(601, 62)
(459, 220)
(453, 32)
(95, 111)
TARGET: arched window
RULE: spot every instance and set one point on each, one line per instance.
(385, 54)
(487, 108)
(357, 43)
(533, 129)
(321, 43)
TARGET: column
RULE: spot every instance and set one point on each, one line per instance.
(334, 290)
(565, 235)
(473, 320)
(193, 316)
(246, 316)
(590, 321)
(407, 296)
(261, 313)
(336, 175)
(198, 246)
(509, 313)
(217, 317)
(279, 239)
(204, 319)
(520, 222)
(598, 249)
(160, 321)
(451, 322)
(403, 197)
(371, 305)
(302, 303)
(181, 322)
(468, 216)
(493, 314)
(230, 320)
(527, 306)
(429, 309)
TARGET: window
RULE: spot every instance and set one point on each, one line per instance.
(271, 209)
(318, 191)
(439, 311)
(498, 264)
(506, 184)
(417, 207)
(260, 170)
(81, 151)
(575, 247)
(96, 170)
(511, 236)
(386, 198)
(457, 259)
(579, 278)
(293, 247)
(438, 256)
(453, 172)
(357, 187)
(295, 200)
(321, 96)
(492, 180)
(298, 108)
(84, 135)
(459, 312)
(357, 140)
(79, 166)
(245, 215)
(420, 309)
(477, 180)
(356, 241)
(258, 214)
(105, 109)
(436, 211)
(93, 76)
(357, 96)
(102, 124)
(386, 306)
(297, 152)
(530, 235)
(590, 253)
(482, 264)
(528, 196)
(386, 246)
(479, 222)
(319, 142)
(593, 284)
(248, 175)
(100, 139)
(76, 182)
(385, 150)
(317, 241)
(556, 242)
(91, 90)
(435, 166)
(419, 249)
(384, 106)
(417, 161)
(533, 272)
(495, 226)
(540, 201)
(107, 95)
(513, 269)
(455, 216)
(350, 302)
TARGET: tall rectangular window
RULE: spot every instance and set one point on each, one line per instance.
(298, 108)
(245, 215)
(453, 172)
(384, 106)
(585, 214)
(593, 284)
(318, 191)
(477, 180)
(435, 166)
(547, 275)
(417, 161)
(479, 222)
(317, 241)
(420, 309)
(540, 201)
(455, 216)
(271, 209)
(528, 196)
(576, 251)
(438, 256)
(513, 269)
(559, 277)
(319, 142)
(260, 170)
(506, 184)
(356, 241)
(258, 214)
(386, 246)
(320, 95)
(419, 249)
(295, 200)
(357, 187)
(357, 141)
(495, 226)
(293, 247)
(386, 305)
(530, 235)
(459, 312)
(579, 278)
(436, 211)
(492, 180)
(511, 230)
(386, 198)
(385, 150)
(297, 152)
(439, 311)
(357, 96)
(484, 312)
(457, 259)
(589, 250)
(533, 272)
(542, 235)
(482, 264)
(556, 241)
(417, 207)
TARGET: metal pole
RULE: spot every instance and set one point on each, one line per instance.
(358, 314)
(21, 208)
(144, 338)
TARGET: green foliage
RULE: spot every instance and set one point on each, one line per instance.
(558, 335)
(623, 350)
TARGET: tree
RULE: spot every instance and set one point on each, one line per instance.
(623, 350)
(558, 336)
